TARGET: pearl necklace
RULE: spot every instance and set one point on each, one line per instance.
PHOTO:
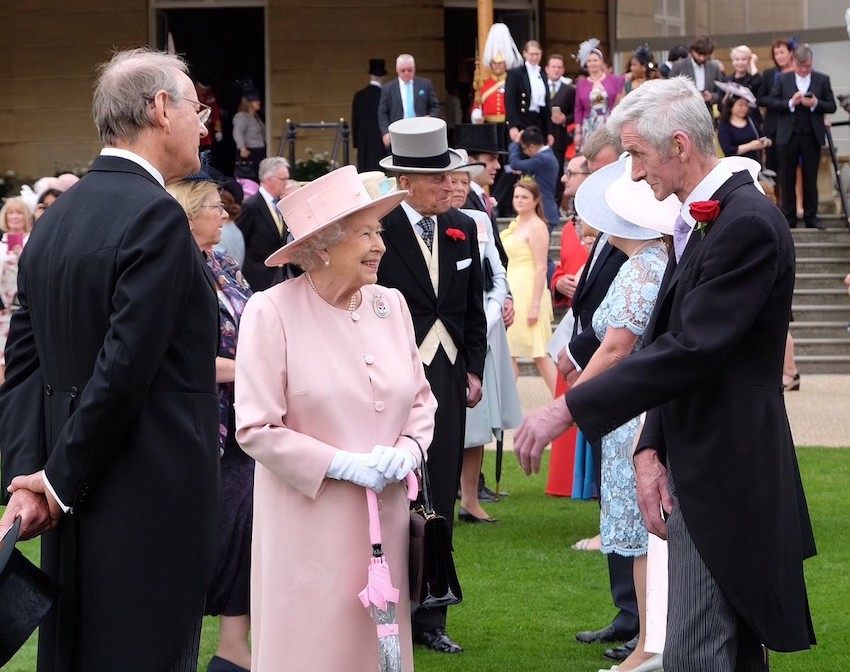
(352, 302)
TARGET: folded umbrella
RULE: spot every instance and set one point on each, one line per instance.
(380, 595)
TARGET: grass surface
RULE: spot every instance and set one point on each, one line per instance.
(526, 593)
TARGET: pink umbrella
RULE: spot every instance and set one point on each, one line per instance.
(380, 595)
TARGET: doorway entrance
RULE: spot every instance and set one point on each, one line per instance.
(226, 47)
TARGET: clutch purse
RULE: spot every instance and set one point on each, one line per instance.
(433, 579)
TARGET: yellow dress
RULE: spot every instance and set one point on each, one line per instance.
(524, 340)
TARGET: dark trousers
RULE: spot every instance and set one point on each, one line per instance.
(445, 456)
(801, 146)
(620, 575)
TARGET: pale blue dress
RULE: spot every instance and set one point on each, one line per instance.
(628, 304)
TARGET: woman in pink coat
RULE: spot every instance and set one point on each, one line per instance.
(331, 398)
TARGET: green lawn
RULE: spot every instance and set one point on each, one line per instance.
(527, 593)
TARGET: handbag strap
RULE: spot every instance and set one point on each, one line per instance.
(426, 481)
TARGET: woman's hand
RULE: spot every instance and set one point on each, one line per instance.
(394, 463)
(244, 152)
(533, 314)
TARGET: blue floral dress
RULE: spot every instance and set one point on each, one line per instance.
(627, 305)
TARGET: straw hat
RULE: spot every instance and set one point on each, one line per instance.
(420, 145)
(324, 201)
(631, 211)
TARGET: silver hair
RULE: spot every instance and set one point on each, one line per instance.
(270, 164)
(803, 53)
(306, 255)
(405, 58)
(659, 108)
(125, 87)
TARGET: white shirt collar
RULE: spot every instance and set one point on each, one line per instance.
(477, 188)
(269, 198)
(378, 84)
(135, 158)
(707, 187)
(414, 216)
(803, 83)
(532, 69)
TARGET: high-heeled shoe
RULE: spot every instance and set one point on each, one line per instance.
(653, 664)
(794, 384)
(467, 517)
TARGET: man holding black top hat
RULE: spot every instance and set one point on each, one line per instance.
(365, 132)
(432, 259)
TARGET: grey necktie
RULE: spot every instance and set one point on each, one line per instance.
(680, 236)
(427, 226)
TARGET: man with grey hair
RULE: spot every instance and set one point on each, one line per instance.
(263, 227)
(716, 469)
(405, 96)
(109, 414)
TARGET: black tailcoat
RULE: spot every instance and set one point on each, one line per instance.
(365, 132)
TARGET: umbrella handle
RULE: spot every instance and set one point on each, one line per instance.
(372, 506)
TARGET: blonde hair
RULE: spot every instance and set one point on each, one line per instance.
(191, 194)
(20, 202)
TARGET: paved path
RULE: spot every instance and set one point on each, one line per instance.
(819, 412)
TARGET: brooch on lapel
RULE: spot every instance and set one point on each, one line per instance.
(380, 306)
(421, 92)
(455, 234)
(704, 214)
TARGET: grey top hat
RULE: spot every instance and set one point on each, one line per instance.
(420, 145)
(638, 204)
(478, 138)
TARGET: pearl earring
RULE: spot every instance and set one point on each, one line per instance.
(327, 262)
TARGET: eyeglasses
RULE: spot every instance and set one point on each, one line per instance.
(569, 173)
(203, 111)
(218, 206)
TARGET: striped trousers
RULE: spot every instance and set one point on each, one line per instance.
(704, 632)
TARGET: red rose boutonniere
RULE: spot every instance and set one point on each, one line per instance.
(704, 212)
(455, 234)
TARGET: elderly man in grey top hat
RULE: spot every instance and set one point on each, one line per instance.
(432, 259)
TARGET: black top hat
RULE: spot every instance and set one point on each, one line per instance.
(377, 67)
(26, 596)
(478, 138)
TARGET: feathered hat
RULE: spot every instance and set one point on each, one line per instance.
(587, 48)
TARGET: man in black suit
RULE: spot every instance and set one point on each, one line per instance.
(601, 149)
(405, 96)
(703, 71)
(717, 473)
(365, 132)
(109, 414)
(801, 99)
(562, 101)
(527, 95)
(263, 227)
(432, 259)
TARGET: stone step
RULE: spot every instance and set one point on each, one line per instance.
(819, 364)
(820, 281)
(834, 265)
(822, 347)
(824, 249)
(806, 312)
(818, 330)
(831, 296)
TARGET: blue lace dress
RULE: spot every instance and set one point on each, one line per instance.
(627, 305)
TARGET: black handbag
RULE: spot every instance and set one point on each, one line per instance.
(433, 579)
(244, 169)
(488, 276)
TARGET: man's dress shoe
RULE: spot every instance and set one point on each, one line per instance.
(621, 652)
(606, 635)
(437, 640)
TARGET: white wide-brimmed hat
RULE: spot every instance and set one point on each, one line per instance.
(611, 202)
(324, 201)
(420, 145)
(737, 90)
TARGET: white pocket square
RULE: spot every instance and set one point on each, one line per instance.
(463, 263)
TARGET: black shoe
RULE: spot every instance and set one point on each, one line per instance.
(485, 494)
(437, 640)
(606, 635)
(221, 665)
(622, 652)
(816, 224)
(467, 517)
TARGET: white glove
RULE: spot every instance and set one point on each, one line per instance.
(358, 468)
(219, 136)
(394, 463)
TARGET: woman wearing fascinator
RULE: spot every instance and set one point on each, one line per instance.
(642, 67)
(597, 94)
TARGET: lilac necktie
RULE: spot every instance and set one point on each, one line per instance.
(680, 236)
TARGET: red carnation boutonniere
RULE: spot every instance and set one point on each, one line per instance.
(455, 234)
(704, 213)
